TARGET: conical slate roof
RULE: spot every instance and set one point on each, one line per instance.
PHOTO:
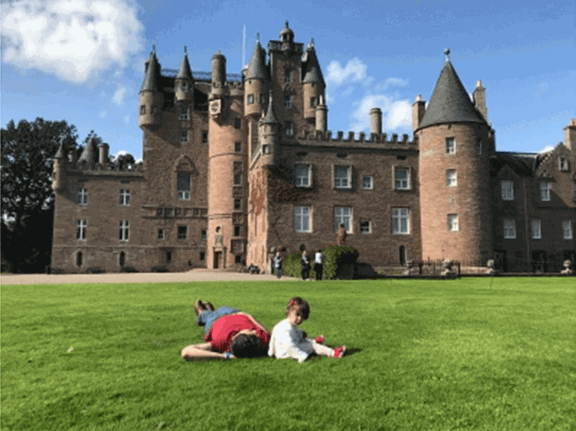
(450, 102)
(270, 117)
(312, 72)
(60, 154)
(185, 72)
(90, 153)
(152, 74)
(257, 66)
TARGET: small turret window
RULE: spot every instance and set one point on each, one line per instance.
(250, 99)
(237, 123)
(479, 147)
(184, 86)
(184, 113)
(288, 102)
(563, 164)
(82, 197)
(154, 110)
(238, 147)
(450, 146)
(313, 102)
(142, 109)
(289, 128)
(452, 222)
(184, 136)
(287, 77)
(266, 149)
(451, 178)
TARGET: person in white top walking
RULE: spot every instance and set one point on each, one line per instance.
(288, 341)
(319, 264)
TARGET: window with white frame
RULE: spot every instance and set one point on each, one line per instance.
(401, 221)
(288, 128)
(536, 229)
(184, 136)
(302, 175)
(509, 228)
(288, 102)
(81, 229)
(183, 112)
(82, 197)
(545, 191)
(365, 226)
(124, 230)
(567, 229)
(507, 188)
(124, 197)
(367, 182)
(452, 222)
(450, 146)
(451, 179)
(342, 177)
(302, 219)
(563, 164)
(401, 178)
(183, 186)
(343, 215)
(250, 99)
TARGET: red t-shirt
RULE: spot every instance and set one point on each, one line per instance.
(224, 329)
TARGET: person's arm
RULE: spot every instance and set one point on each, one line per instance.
(203, 352)
(254, 321)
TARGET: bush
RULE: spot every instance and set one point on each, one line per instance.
(334, 258)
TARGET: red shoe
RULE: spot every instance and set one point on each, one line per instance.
(340, 352)
(319, 339)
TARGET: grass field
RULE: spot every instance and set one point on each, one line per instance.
(425, 355)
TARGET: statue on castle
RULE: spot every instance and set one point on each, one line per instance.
(341, 235)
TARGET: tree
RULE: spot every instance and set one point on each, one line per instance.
(27, 197)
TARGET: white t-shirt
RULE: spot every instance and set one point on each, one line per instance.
(319, 258)
(287, 341)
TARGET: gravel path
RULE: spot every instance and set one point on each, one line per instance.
(139, 277)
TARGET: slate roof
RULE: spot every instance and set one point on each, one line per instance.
(450, 102)
(312, 71)
(185, 72)
(90, 153)
(152, 74)
(522, 164)
(257, 66)
(270, 117)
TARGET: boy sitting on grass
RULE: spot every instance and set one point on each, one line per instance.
(229, 334)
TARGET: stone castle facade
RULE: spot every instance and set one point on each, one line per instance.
(235, 165)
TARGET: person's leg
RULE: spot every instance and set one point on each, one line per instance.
(279, 273)
(321, 266)
(322, 350)
(208, 317)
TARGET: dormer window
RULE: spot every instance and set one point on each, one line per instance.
(563, 164)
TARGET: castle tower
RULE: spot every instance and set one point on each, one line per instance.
(321, 115)
(256, 82)
(89, 156)
(454, 174)
(313, 83)
(184, 83)
(151, 98)
(59, 169)
(270, 135)
(227, 167)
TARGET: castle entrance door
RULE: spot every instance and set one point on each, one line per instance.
(217, 259)
(539, 262)
(500, 260)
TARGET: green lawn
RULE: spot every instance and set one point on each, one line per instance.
(425, 355)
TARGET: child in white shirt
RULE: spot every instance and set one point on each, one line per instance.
(288, 341)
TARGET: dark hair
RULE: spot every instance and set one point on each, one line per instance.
(245, 346)
(301, 304)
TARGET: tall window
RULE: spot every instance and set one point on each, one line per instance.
(289, 128)
(343, 215)
(238, 147)
(453, 222)
(509, 228)
(79, 258)
(302, 176)
(250, 99)
(401, 221)
(401, 179)
(288, 102)
(124, 197)
(313, 102)
(302, 219)
(545, 191)
(183, 112)
(451, 179)
(182, 232)
(563, 164)
(124, 230)
(237, 204)
(479, 147)
(536, 229)
(367, 183)
(342, 177)
(567, 229)
(450, 146)
(184, 186)
(184, 86)
(160, 233)
(237, 123)
(81, 229)
(122, 259)
(507, 190)
(287, 77)
(184, 136)
(82, 197)
(204, 136)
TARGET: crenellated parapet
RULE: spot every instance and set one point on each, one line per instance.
(359, 140)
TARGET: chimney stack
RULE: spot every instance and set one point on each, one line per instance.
(376, 121)
(570, 135)
(418, 109)
(479, 97)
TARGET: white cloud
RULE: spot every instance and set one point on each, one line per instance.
(72, 39)
(127, 119)
(354, 71)
(395, 113)
(102, 114)
(546, 149)
(119, 95)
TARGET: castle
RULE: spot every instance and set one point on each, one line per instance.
(235, 165)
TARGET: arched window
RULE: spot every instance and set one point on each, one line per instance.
(79, 258)
(122, 258)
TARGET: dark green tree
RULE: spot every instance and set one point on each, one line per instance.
(27, 197)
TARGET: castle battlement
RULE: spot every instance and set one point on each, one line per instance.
(84, 169)
(319, 138)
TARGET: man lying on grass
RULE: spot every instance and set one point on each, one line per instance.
(229, 334)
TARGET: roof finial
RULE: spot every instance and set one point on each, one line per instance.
(312, 42)
(258, 37)
(447, 53)
(185, 49)
(286, 23)
(154, 49)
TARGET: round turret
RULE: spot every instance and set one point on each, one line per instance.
(151, 98)
(270, 135)
(313, 83)
(184, 82)
(218, 69)
(59, 170)
(321, 116)
(256, 83)
(454, 175)
(287, 35)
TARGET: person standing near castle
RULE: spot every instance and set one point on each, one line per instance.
(278, 265)
(319, 264)
(305, 265)
(341, 235)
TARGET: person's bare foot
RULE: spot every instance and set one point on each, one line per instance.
(208, 305)
(199, 307)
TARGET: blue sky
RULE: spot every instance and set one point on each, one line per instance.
(83, 60)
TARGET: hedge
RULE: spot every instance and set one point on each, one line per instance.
(335, 257)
